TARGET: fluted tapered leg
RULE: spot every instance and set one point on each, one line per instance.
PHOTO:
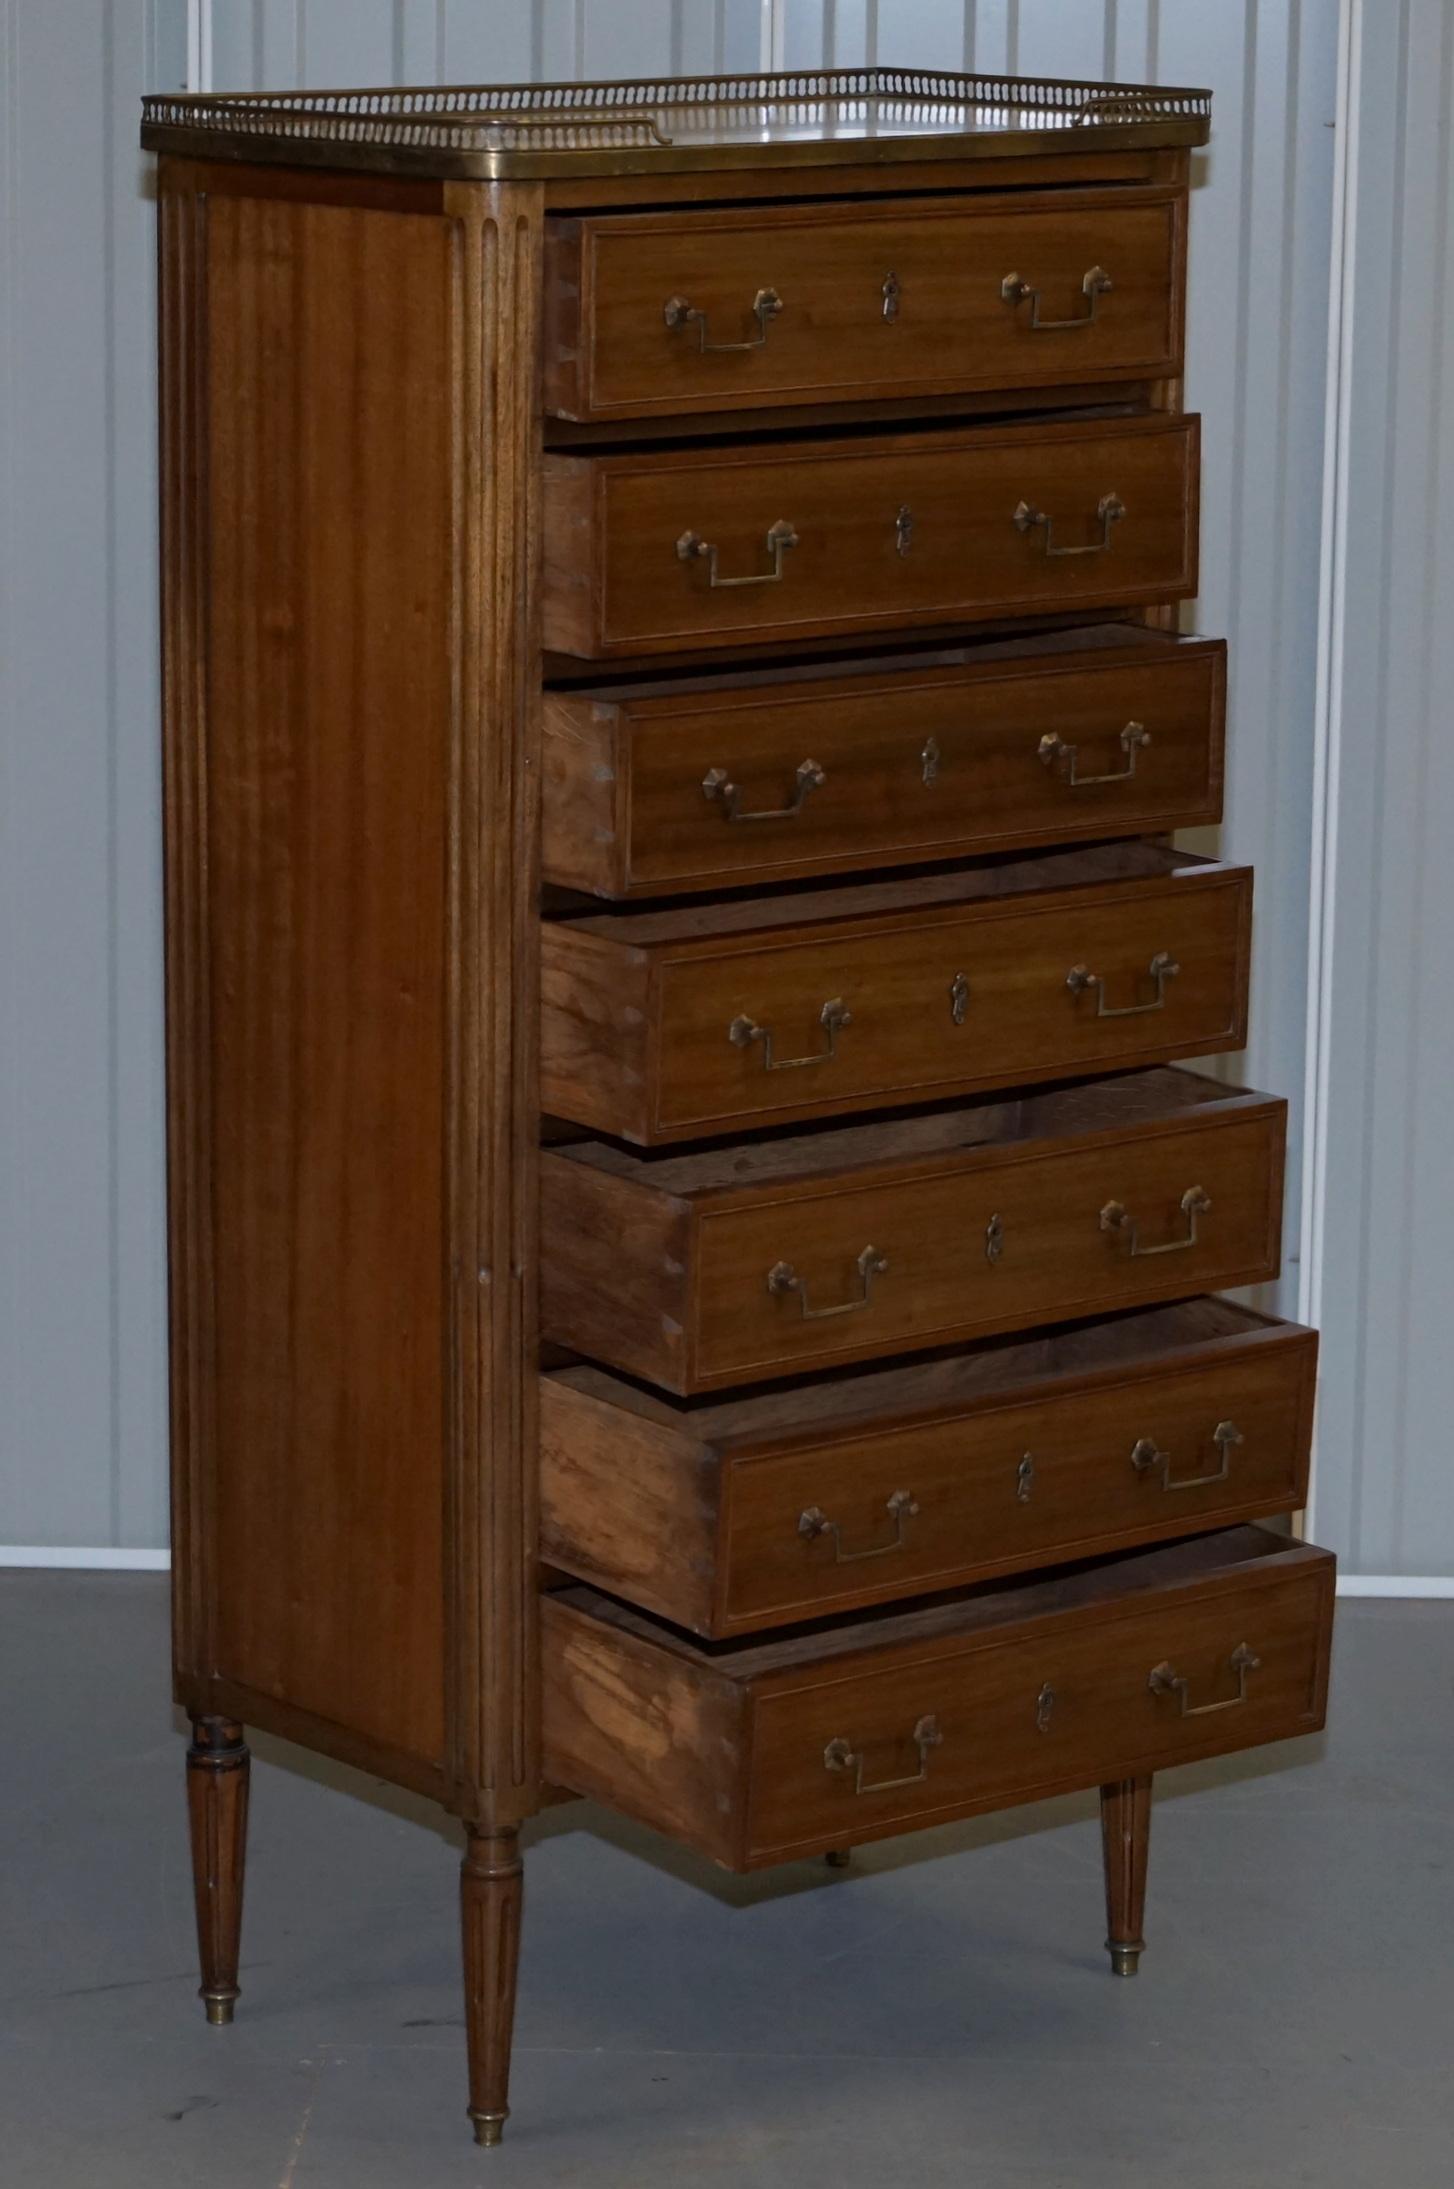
(217, 1781)
(491, 1890)
(1125, 1833)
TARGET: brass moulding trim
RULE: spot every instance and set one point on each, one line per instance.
(1163, 967)
(1110, 509)
(1146, 1457)
(782, 1279)
(1096, 284)
(1165, 1680)
(716, 786)
(813, 1523)
(841, 1755)
(1064, 758)
(667, 125)
(744, 1031)
(766, 306)
(691, 547)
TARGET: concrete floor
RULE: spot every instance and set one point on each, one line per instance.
(941, 2014)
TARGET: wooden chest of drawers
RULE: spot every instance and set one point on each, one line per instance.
(690, 1256)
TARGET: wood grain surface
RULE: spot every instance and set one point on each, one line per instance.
(892, 533)
(906, 762)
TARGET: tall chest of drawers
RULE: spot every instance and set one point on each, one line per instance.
(695, 1240)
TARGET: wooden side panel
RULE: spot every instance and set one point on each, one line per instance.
(190, 1131)
(658, 1738)
(308, 914)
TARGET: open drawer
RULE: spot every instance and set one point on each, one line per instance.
(758, 1751)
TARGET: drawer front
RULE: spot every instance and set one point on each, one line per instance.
(788, 780)
(1101, 978)
(855, 1272)
(1161, 1680)
(932, 1505)
(678, 551)
(672, 313)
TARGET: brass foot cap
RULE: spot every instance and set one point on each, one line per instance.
(1124, 1959)
(838, 1858)
(489, 2127)
(219, 2011)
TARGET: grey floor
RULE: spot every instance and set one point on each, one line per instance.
(941, 2014)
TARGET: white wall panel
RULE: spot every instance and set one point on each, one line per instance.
(1257, 349)
(1385, 1275)
(82, 1417)
(82, 1384)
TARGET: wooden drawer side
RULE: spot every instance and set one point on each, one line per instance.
(656, 1738)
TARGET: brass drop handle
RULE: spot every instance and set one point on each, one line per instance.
(719, 789)
(1080, 980)
(1147, 1456)
(782, 1278)
(744, 1031)
(841, 1755)
(1056, 753)
(1095, 284)
(1164, 1680)
(691, 547)
(1116, 1217)
(1110, 509)
(814, 1522)
(766, 305)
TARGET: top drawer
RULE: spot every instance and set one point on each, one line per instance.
(658, 314)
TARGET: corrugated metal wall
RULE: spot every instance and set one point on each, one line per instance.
(82, 1361)
(1385, 1489)
(82, 1425)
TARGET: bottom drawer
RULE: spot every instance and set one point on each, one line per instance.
(759, 1751)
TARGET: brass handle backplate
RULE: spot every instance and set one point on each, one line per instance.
(766, 305)
(1110, 509)
(841, 1755)
(1080, 980)
(744, 1031)
(1095, 284)
(1056, 753)
(1164, 1680)
(1147, 1456)
(718, 789)
(814, 1522)
(782, 1278)
(691, 547)
(1116, 1217)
